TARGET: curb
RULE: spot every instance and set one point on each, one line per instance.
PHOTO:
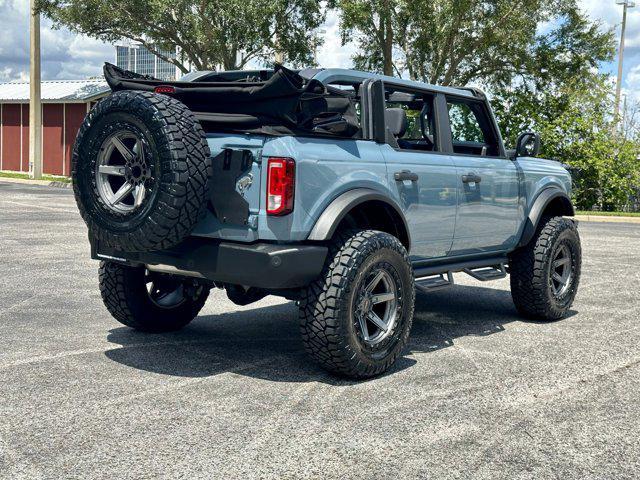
(45, 183)
(606, 219)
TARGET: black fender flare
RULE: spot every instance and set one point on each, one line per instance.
(328, 222)
(540, 204)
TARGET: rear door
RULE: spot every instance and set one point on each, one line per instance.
(423, 178)
(487, 182)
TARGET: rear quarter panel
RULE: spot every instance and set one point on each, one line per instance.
(325, 168)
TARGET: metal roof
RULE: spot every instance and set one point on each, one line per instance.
(55, 91)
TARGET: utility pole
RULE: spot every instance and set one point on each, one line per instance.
(626, 5)
(35, 105)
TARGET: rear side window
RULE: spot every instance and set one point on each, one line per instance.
(472, 131)
(419, 109)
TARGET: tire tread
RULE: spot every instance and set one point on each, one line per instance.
(528, 268)
(124, 294)
(186, 171)
(325, 300)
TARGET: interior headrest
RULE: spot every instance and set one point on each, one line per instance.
(396, 119)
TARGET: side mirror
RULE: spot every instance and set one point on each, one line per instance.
(527, 145)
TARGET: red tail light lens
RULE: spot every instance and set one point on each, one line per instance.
(166, 89)
(281, 178)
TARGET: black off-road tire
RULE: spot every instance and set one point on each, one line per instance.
(531, 270)
(181, 170)
(327, 323)
(125, 295)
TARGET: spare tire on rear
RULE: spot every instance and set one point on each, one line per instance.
(141, 171)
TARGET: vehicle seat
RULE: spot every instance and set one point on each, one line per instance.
(396, 119)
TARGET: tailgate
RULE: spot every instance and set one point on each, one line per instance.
(234, 203)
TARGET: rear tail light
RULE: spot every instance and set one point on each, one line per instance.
(166, 89)
(281, 177)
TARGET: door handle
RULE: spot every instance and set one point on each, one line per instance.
(405, 175)
(471, 178)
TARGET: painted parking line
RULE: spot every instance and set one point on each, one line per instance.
(41, 207)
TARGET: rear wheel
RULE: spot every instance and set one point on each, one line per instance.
(149, 301)
(545, 274)
(356, 318)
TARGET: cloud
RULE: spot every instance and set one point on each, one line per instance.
(332, 53)
(65, 55)
(610, 15)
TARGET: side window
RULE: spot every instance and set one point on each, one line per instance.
(464, 124)
(471, 129)
(418, 108)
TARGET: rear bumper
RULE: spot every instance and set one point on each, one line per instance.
(261, 265)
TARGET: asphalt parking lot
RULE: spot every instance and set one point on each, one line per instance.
(479, 394)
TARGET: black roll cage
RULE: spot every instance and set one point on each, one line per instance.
(372, 96)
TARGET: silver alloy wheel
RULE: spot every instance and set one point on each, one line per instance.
(122, 172)
(376, 307)
(561, 271)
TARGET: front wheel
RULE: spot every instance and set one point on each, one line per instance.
(149, 301)
(356, 318)
(545, 274)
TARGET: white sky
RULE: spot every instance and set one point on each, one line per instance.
(66, 55)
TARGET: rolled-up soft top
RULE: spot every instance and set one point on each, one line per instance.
(285, 103)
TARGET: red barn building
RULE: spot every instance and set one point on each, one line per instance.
(64, 105)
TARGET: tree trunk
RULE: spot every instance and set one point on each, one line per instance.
(230, 61)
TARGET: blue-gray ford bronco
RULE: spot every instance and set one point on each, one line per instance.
(341, 190)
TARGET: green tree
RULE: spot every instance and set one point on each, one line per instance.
(607, 167)
(563, 62)
(377, 27)
(208, 33)
(459, 41)
(560, 94)
(575, 124)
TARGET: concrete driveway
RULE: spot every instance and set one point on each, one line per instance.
(479, 394)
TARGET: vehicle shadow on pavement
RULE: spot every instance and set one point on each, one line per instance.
(265, 343)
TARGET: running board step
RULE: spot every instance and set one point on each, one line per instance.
(434, 282)
(486, 274)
